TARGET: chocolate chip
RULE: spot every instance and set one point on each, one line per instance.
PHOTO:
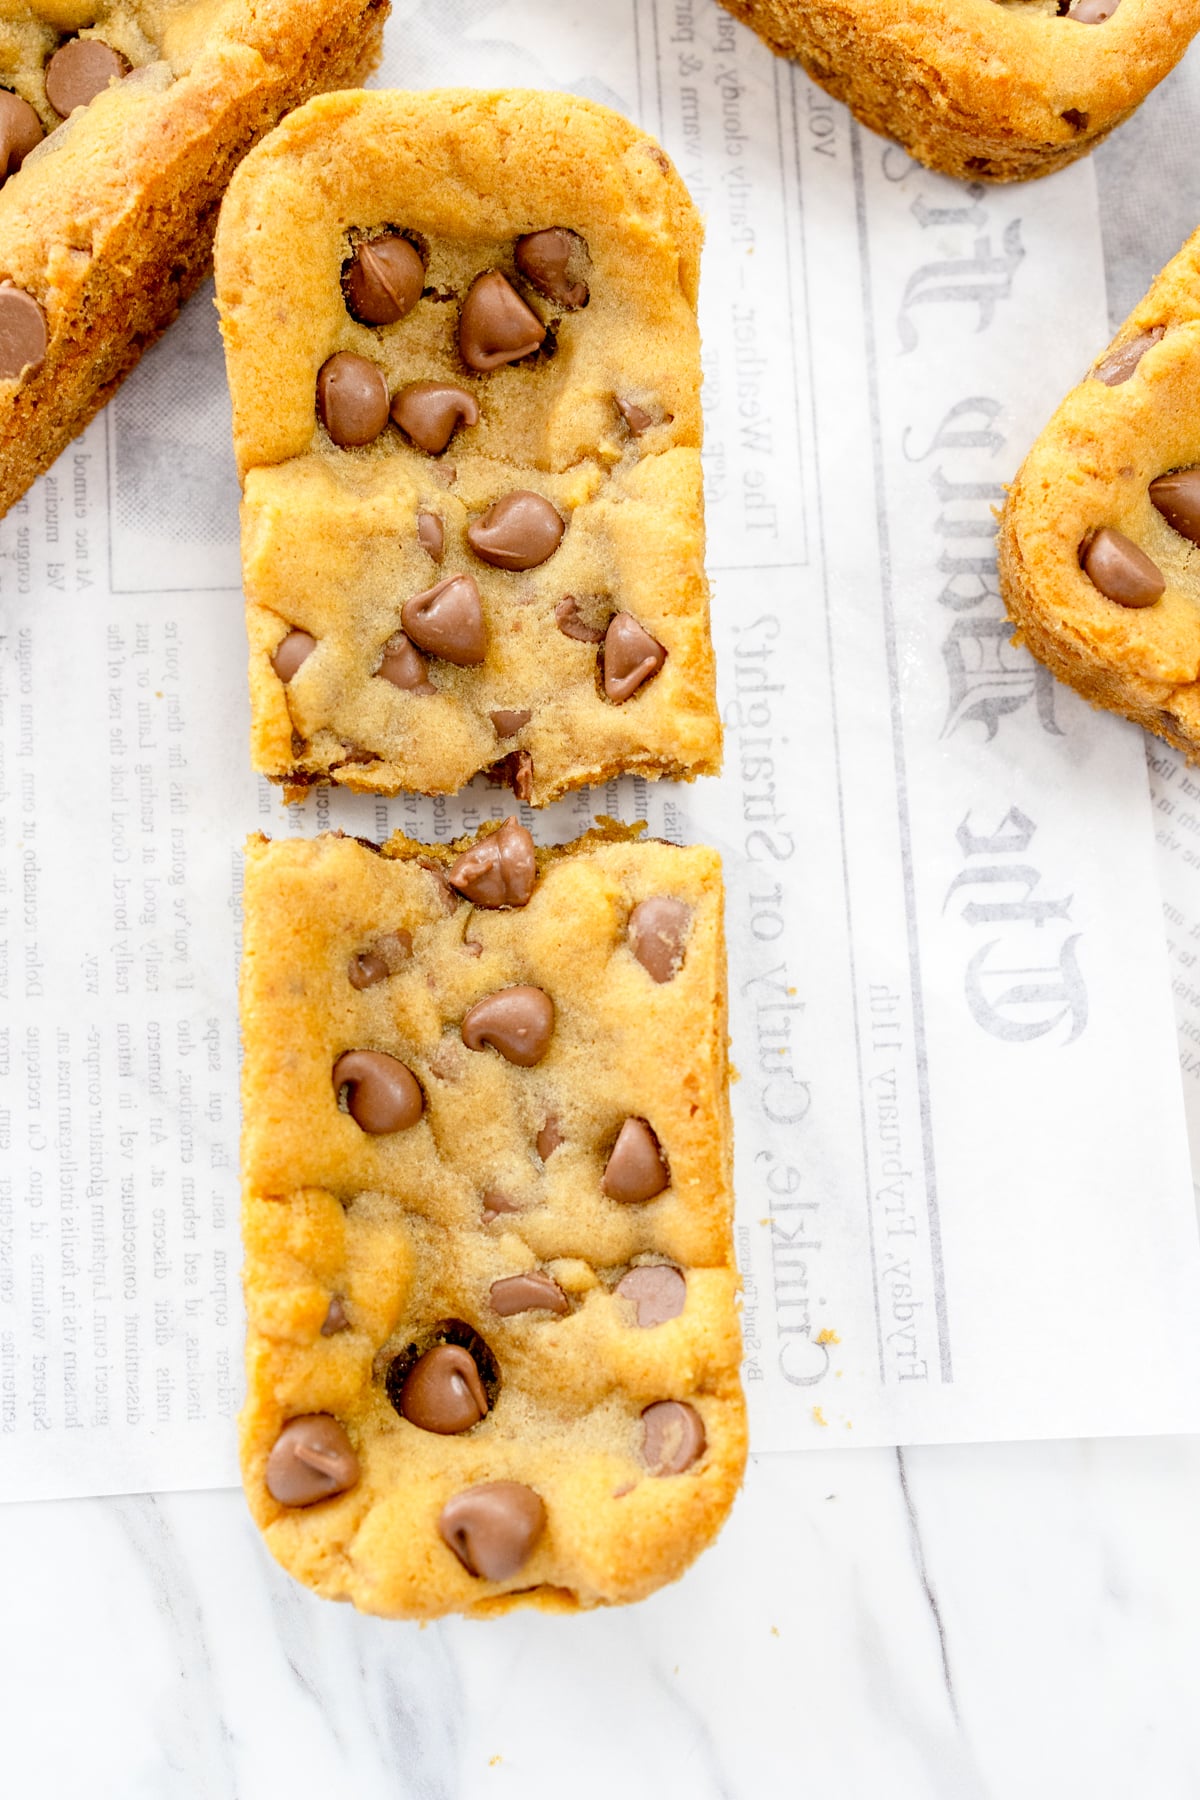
(382, 959)
(312, 1459)
(528, 1293)
(550, 261)
(443, 1392)
(352, 399)
(520, 531)
(79, 70)
(1120, 570)
(495, 326)
(1120, 363)
(1177, 498)
(445, 893)
(516, 1021)
(404, 666)
(630, 657)
(431, 535)
(383, 1095)
(508, 724)
(492, 1528)
(447, 620)
(513, 771)
(674, 1437)
(500, 870)
(495, 1204)
(430, 412)
(548, 1139)
(383, 280)
(335, 1318)
(20, 130)
(1093, 12)
(656, 1291)
(293, 651)
(636, 417)
(636, 1168)
(572, 624)
(658, 929)
(22, 333)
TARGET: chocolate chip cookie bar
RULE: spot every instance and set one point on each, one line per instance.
(121, 122)
(493, 1344)
(989, 90)
(1099, 566)
(461, 337)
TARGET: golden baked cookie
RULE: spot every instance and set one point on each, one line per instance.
(121, 122)
(461, 337)
(1099, 565)
(493, 1345)
(991, 90)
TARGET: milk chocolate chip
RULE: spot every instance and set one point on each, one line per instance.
(1120, 363)
(520, 531)
(22, 333)
(404, 666)
(430, 412)
(516, 1021)
(550, 260)
(658, 929)
(312, 1459)
(431, 535)
(335, 1318)
(289, 655)
(352, 399)
(382, 959)
(572, 624)
(500, 870)
(494, 1204)
(630, 657)
(495, 326)
(1177, 498)
(447, 621)
(636, 417)
(548, 1139)
(656, 1291)
(1120, 570)
(636, 1168)
(528, 1293)
(508, 724)
(383, 1096)
(492, 1528)
(674, 1437)
(443, 1391)
(79, 70)
(383, 280)
(20, 130)
(1093, 12)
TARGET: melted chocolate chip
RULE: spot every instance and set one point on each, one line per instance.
(1120, 363)
(495, 1205)
(23, 336)
(495, 326)
(383, 280)
(656, 1291)
(548, 1139)
(508, 724)
(431, 535)
(79, 70)
(528, 1293)
(492, 1528)
(404, 666)
(383, 1095)
(447, 621)
(1122, 572)
(516, 1021)
(335, 1318)
(519, 531)
(312, 1459)
(1177, 498)
(380, 959)
(430, 412)
(630, 657)
(500, 870)
(636, 1168)
(292, 653)
(551, 261)
(658, 929)
(443, 1391)
(572, 624)
(636, 417)
(20, 130)
(674, 1437)
(352, 399)
(1093, 12)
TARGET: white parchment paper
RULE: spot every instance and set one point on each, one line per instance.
(965, 1208)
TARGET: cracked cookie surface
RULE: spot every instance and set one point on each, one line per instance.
(492, 1343)
(462, 346)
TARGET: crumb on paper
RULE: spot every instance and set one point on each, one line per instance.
(818, 1416)
(828, 1336)
(774, 1631)
(493, 1760)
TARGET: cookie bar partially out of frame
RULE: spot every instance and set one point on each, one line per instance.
(461, 337)
(493, 1348)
